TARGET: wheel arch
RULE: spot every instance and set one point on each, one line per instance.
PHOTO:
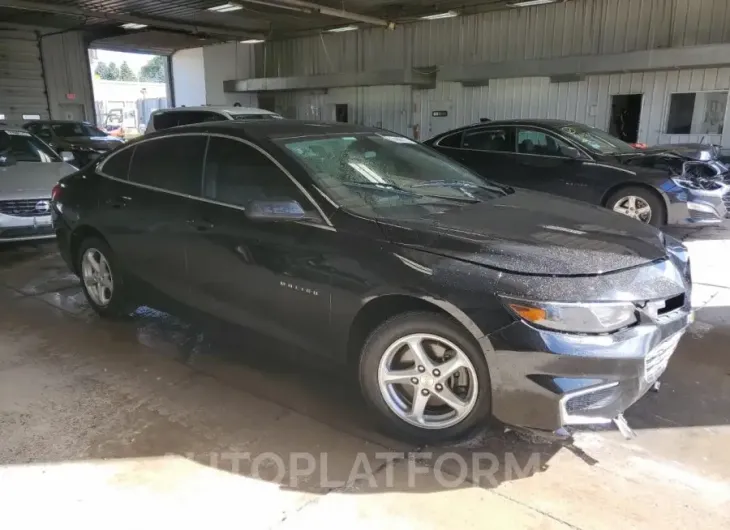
(631, 184)
(79, 234)
(378, 309)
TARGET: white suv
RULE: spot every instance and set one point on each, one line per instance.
(166, 118)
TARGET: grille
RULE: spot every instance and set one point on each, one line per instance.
(591, 401)
(26, 207)
(726, 200)
(656, 360)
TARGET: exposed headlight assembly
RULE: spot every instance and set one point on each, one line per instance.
(574, 317)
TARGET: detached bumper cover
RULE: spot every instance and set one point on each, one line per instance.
(696, 207)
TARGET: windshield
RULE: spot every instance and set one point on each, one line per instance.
(596, 140)
(25, 148)
(66, 130)
(369, 172)
(256, 117)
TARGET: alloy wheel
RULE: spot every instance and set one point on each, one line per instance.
(634, 207)
(428, 381)
(97, 277)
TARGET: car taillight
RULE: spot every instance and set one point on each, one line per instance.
(56, 192)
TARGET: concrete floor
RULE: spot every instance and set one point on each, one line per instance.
(153, 421)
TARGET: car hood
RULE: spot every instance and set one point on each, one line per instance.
(108, 142)
(31, 180)
(531, 233)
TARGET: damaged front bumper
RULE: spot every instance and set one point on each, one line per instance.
(545, 380)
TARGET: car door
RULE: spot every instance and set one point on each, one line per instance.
(487, 150)
(270, 277)
(145, 215)
(549, 164)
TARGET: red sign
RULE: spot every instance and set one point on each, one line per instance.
(71, 96)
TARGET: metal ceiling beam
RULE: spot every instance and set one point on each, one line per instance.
(116, 17)
(708, 56)
(311, 7)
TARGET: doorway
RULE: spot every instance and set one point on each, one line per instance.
(440, 118)
(342, 113)
(625, 116)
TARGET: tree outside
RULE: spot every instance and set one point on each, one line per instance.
(126, 73)
(154, 71)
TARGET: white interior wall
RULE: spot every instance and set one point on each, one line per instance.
(230, 60)
(188, 77)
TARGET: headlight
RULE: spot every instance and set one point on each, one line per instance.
(573, 317)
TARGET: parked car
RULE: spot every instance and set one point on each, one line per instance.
(457, 299)
(28, 171)
(82, 139)
(165, 118)
(657, 187)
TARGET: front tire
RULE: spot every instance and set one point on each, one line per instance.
(638, 203)
(101, 279)
(425, 378)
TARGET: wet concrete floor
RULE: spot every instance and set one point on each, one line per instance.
(152, 421)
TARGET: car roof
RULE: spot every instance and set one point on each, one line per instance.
(549, 124)
(229, 110)
(273, 129)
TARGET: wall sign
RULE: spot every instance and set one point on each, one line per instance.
(440, 113)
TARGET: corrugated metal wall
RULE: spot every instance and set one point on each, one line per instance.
(22, 90)
(578, 27)
(66, 63)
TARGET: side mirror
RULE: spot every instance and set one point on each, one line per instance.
(571, 152)
(7, 160)
(274, 211)
(67, 156)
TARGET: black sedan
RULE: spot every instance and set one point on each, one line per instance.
(85, 141)
(657, 187)
(457, 300)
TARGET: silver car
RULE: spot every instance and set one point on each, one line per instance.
(28, 171)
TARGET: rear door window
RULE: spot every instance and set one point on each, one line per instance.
(501, 139)
(164, 120)
(452, 140)
(173, 163)
(117, 165)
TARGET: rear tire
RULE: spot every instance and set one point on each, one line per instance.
(634, 202)
(101, 279)
(425, 378)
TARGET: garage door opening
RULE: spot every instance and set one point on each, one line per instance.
(625, 116)
(127, 88)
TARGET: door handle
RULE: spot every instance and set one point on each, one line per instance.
(119, 202)
(201, 225)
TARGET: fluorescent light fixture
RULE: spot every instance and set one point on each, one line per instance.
(438, 16)
(343, 28)
(530, 3)
(225, 8)
(252, 41)
(132, 25)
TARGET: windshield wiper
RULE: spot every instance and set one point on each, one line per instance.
(394, 187)
(461, 184)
